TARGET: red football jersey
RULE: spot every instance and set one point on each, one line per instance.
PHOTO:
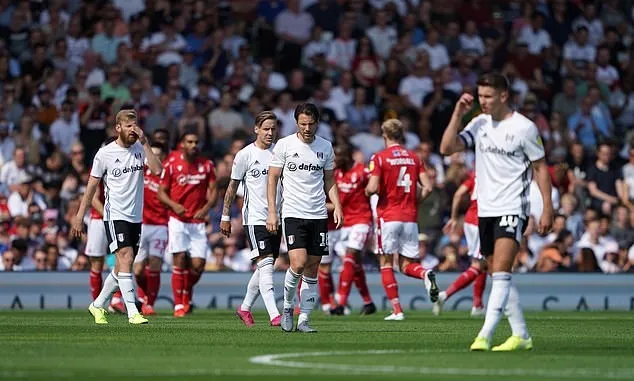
(354, 202)
(94, 214)
(398, 170)
(154, 212)
(186, 183)
(471, 217)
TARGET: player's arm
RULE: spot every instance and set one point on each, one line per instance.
(163, 192)
(272, 180)
(542, 177)
(373, 185)
(230, 196)
(330, 207)
(427, 185)
(451, 225)
(212, 197)
(333, 195)
(153, 162)
(452, 142)
(77, 227)
(96, 202)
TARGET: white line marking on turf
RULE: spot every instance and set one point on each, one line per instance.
(285, 360)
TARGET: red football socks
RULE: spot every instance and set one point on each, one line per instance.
(326, 287)
(391, 288)
(153, 279)
(345, 279)
(415, 270)
(96, 283)
(362, 284)
(178, 282)
(478, 289)
(463, 280)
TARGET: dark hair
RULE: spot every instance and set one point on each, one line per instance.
(494, 80)
(189, 131)
(161, 130)
(307, 109)
(159, 146)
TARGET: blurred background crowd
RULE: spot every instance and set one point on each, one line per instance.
(67, 66)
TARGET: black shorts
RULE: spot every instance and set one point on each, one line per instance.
(262, 241)
(311, 235)
(492, 228)
(123, 234)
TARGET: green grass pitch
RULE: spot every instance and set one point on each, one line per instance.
(214, 345)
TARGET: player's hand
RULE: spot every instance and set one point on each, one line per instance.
(545, 222)
(201, 214)
(77, 227)
(450, 227)
(179, 209)
(464, 104)
(337, 217)
(225, 228)
(271, 223)
(140, 134)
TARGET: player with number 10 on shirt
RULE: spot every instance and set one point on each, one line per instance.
(305, 162)
(508, 150)
(120, 166)
(394, 175)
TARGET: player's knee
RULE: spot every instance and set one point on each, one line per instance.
(179, 260)
(198, 265)
(125, 256)
(155, 264)
(96, 264)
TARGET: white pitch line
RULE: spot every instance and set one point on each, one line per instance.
(282, 360)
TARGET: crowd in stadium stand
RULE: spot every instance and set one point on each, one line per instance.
(67, 66)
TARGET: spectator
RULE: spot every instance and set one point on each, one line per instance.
(293, 27)
(578, 54)
(604, 181)
(587, 127)
(14, 171)
(65, 130)
(23, 196)
(437, 53)
(360, 114)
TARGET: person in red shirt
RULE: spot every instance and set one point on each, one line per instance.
(477, 272)
(147, 263)
(393, 175)
(188, 189)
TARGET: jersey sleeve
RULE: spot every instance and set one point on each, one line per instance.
(330, 159)
(533, 144)
(239, 168)
(98, 165)
(469, 133)
(374, 166)
(279, 155)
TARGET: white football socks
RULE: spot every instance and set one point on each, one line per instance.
(514, 314)
(265, 268)
(110, 286)
(500, 287)
(252, 291)
(307, 297)
(290, 287)
(126, 285)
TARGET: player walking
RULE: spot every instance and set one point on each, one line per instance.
(508, 149)
(250, 167)
(393, 175)
(147, 264)
(188, 189)
(120, 166)
(305, 163)
(476, 273)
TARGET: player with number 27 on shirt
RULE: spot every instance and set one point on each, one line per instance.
(394, 175)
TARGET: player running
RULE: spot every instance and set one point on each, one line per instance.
(250, 167)
(188, 189)
(305, 162)
(147, 264)
(120, 166)
(508, 149)
(393, 175)
(476, 273)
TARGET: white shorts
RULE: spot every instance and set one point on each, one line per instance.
(153, 242)
(399, 237)
(334, 236)
(472, 235)
(187, 237)
(96, 241)
(353, 237)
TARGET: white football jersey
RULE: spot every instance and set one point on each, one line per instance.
(121, 170)
(303, 167)
(504, 153)
(250, 167)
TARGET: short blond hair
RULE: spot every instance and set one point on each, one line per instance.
(125, 116)
(393, 130)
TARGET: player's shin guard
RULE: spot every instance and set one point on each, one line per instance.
(500, 288)
(265, 285)
(362, 283)
(514, 314)
(153, 284)
(415, 270)
(479, 284)
(391, 288)
(463, 280)
(308, 298)
(345, 279)
(253, 288)
(96, 283)
(326, 287)
(290, 286)
(110, 286)
(178, 281)
(126, 285)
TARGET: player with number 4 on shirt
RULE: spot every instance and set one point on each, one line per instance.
(508, 150)
(120, 166)
(394, 175)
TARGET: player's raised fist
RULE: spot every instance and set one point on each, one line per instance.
(464, 104)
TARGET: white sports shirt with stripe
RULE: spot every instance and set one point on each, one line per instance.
(250, 167)
(504, 152)
(121, 170)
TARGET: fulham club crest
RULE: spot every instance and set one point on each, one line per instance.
(291, 239)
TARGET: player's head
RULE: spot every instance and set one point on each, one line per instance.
(307, 118)
(159, 150)
(493, 93)
(125, 122)
(343, 156)
(266, 127)
(161, 135)
(189, 144)
(393, 131)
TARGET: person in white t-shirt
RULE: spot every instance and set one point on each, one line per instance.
(305, 163)
(120, 166)
(250, 168)
(508, 149)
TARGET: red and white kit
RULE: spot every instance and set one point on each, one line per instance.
(96, 240)
(357, 215)
(471, 231)
(155, 215)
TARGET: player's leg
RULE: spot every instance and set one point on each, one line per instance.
(409, 262)
(296, 238)
(253, 286)
(198, 254)
(269, 248)
(479, 284)
(125, 247)
(354, 239)
(138, 269)
(177, 246)
(96, 281)
(388, 245)
(96, 250)
(325, 282)
(156, 250)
